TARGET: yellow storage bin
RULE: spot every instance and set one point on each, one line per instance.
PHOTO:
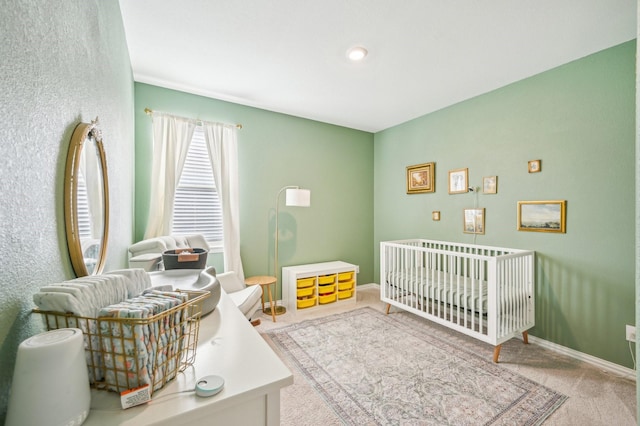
(305, 292)
(326, 279)
(345, 276)
(330, 298)
(326, 289)
(306, 282)
(345, 294)
(347, 285)
(306, 303)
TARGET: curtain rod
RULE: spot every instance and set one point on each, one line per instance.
(149, 111)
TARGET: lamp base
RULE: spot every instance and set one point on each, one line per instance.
(279, 310)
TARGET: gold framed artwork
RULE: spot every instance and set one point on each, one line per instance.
(535, 166)
(473, 221)
(421, 178)
(435, 215)
(542, 216)
(490, 184)
(458, 181)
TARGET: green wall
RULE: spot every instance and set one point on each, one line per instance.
(277, 150)
(579, 120)
(637, 199)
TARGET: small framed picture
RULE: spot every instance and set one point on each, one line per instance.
(542, 216)
(435, 215)
(473, 221)
(490, 184)
(458, 181)
(535, 166)
(421, 178)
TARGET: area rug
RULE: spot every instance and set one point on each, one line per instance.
(377, 369)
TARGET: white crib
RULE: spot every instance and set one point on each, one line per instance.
(481, 291)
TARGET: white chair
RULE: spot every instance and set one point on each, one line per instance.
(247, 298)
(147, 254)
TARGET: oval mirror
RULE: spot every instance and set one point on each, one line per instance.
(86, 200)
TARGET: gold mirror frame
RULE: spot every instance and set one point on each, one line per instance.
(84, 134)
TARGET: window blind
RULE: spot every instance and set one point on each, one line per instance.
(82, 200)
(197, 208)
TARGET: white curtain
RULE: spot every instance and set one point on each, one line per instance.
(222, 144)
(171, 138)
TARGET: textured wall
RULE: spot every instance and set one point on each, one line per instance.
(63, 62)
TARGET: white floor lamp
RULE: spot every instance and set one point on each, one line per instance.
(295, 197)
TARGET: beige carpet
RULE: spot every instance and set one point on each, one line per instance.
(596, 397)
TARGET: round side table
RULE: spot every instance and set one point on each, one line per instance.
(267, 281)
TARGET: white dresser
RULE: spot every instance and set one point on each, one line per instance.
(228, 347)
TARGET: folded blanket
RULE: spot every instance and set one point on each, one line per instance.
(139, 280)
(78, 298)
(84, 296)
(113, 288)
(126, 356)
(138, 353)
(60, 302)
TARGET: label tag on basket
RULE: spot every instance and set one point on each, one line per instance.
(188, 257)
(132, 397)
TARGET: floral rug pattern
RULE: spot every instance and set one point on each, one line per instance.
(376, 369)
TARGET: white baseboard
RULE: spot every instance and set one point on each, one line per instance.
(625, 372)
(361, 286)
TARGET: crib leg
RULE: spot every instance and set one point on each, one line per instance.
(388, 308)
(525, 337)
(496, 353)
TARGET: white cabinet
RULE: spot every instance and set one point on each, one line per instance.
(317, 285)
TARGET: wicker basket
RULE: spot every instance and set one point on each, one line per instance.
(115, 359)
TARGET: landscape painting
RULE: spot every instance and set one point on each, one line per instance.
(542, 216)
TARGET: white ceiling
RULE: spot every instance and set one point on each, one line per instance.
(289, 56)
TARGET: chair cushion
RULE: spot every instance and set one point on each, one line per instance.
(230, 282)
(152, 245)
(245, 299)
(147, 261)
(146, 257)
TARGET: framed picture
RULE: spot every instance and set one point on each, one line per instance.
(473, 221)
(535, 166)
(490, 184)
(421, 178)
(435, 215)
(458, 181)
(542, 216)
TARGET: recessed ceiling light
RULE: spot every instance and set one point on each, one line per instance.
(357, 53)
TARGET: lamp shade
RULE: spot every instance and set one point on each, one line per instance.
(50, 381)
(297, 197)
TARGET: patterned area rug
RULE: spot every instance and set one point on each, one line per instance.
(381, 369)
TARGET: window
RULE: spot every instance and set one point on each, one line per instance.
(197, 209)
(82, 200)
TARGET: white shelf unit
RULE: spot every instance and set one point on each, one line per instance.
(318, 285)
